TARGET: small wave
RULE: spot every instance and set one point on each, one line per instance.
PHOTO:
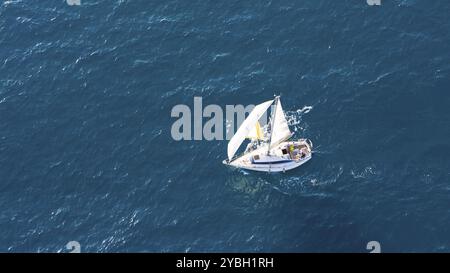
(305, 110)
(6, 3)
(407, 3)
(243, 172)
(294, 118)
(307, 184)
(365, 173)
(220, 55)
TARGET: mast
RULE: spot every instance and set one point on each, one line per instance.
(272, 122)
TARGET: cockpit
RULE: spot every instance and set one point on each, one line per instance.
(295, 151)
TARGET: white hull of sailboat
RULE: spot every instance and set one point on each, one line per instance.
(278, 160)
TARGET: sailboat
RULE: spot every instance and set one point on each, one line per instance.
(270, 151)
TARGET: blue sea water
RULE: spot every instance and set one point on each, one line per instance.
(86, 152)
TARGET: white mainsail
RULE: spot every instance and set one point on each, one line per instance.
(247, 126)
(280, 128)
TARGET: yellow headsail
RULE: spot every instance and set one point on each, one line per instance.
(256, 132)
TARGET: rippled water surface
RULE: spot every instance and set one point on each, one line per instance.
(86, 152)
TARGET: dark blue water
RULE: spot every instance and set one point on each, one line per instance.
(86, 152)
